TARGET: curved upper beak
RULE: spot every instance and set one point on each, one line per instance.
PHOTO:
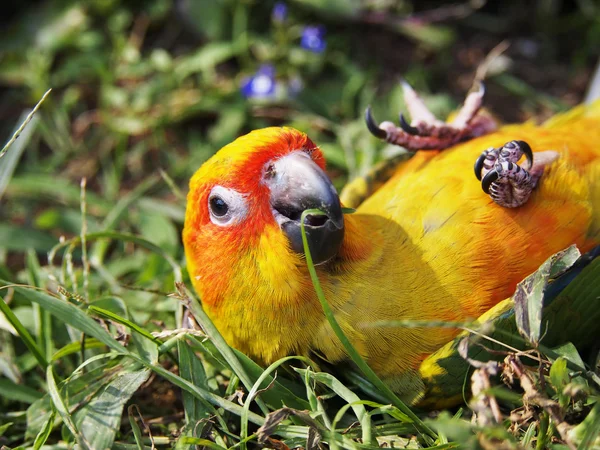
(297, 183)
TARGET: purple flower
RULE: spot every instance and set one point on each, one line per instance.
(313, 38)
(261, 84)
(280, 12)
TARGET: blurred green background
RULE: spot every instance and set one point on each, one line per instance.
(143, 86)
(144, 91)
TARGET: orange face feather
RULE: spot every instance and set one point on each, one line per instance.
(238, 166)
(251, 248)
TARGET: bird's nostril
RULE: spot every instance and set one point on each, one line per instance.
(295, 214)
(289, 212)
(316, 221)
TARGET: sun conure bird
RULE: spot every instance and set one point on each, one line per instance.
(427, 245)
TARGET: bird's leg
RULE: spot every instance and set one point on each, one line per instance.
(507, 183)
(426, 132)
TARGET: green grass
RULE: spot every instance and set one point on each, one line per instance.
(94, 289)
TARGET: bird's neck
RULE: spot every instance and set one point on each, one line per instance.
(362, 241)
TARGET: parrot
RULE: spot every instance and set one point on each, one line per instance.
(434, 242)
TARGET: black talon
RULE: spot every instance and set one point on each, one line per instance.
(373, 126)
(407, 127)
(526, 149)
(487, 181)
(479, 165)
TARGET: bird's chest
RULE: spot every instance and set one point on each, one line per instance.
(266, 327)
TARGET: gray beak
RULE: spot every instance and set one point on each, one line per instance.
(297, 183)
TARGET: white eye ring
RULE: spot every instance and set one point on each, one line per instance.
(226, 206)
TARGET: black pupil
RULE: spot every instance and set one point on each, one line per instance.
(218, 206)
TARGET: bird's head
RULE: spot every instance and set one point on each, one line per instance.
(245, 205)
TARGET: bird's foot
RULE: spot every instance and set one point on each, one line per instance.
(426, 132)
(507, 183)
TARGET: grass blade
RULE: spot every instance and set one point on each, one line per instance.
(99, 419)
(75, 347)
(44, 433)
(28, 119)
(590, 429)
(62, 409)
(137, 433)
(352, 352)
(78, 319)
(191, 369)
(22, 331)
(349, 396)
(254, 391)
(125, 322)
(10, 160)
(12, 391)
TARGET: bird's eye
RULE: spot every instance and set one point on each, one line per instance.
(226, 206)
(218, 206)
